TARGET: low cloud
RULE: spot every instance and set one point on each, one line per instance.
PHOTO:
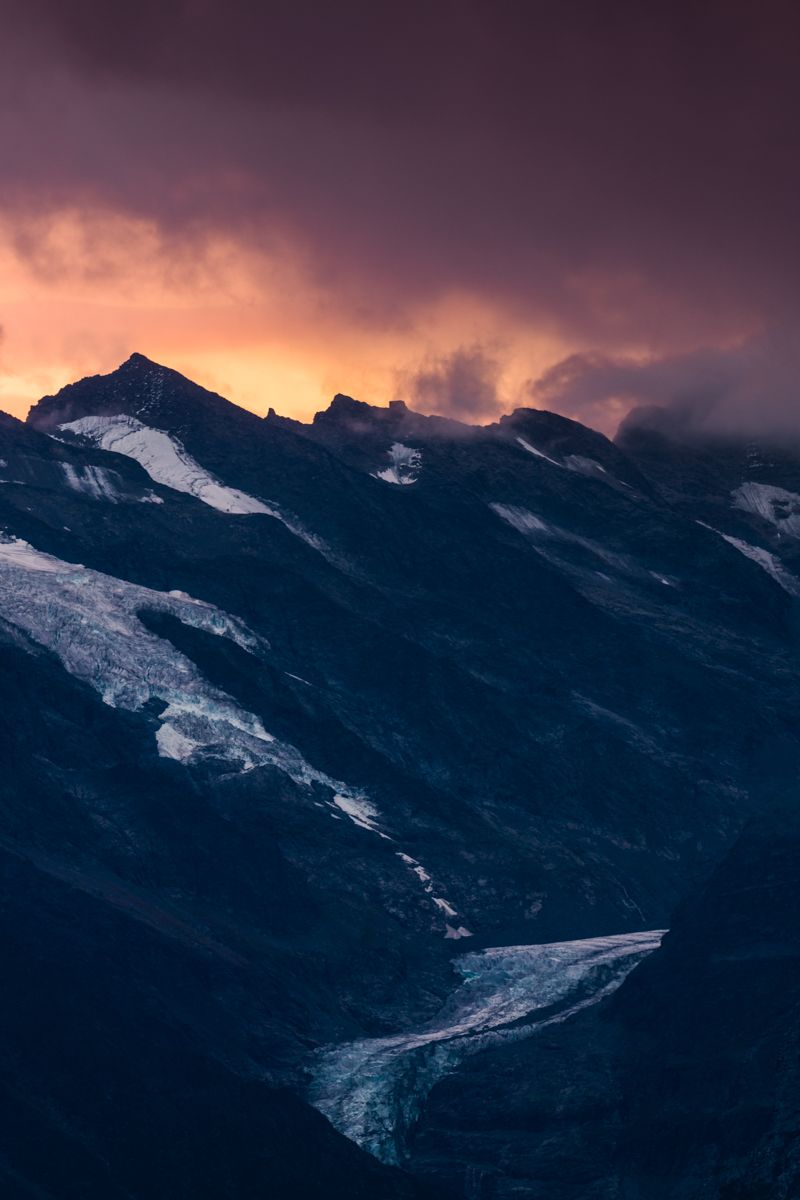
(750, 388)
(462, 384)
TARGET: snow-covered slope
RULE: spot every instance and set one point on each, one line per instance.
(165, 460)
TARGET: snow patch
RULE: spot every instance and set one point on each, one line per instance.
(405, 465)
(361, 811)
(585, 466)
(555, 538)
(96, 482)
(767, 561)
(520, 518)
(416, 867)
(539, 454)
(427, 883)
(773, 504)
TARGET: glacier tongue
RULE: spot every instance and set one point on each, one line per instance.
(373, 1090)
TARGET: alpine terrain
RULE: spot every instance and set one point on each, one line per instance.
(355, 772)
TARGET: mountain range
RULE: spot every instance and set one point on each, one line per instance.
(354, 770)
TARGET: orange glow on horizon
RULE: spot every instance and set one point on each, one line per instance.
(79, 294)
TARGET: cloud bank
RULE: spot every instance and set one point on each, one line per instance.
(751, 388)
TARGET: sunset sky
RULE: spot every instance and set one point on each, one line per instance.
(468, 205)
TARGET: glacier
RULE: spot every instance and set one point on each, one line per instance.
(374, 1089)
(91, 622)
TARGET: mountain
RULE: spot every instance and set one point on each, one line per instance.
(309, 722)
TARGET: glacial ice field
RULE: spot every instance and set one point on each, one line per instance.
(91, 622)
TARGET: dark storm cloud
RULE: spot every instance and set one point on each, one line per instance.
(617, 173)
(750, 388)
(461, 384)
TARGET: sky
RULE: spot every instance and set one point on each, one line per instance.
(572, 204)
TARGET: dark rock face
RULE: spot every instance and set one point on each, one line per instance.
(298, 712)
(742, 487)
(106, 1094)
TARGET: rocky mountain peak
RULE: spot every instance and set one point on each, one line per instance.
(142, 389)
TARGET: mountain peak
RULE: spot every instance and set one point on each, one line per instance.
(355, 415)
(346, 404)
(137, 361)
(140, 388)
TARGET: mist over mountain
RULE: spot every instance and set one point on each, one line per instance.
(355, 770)
(745, 390)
